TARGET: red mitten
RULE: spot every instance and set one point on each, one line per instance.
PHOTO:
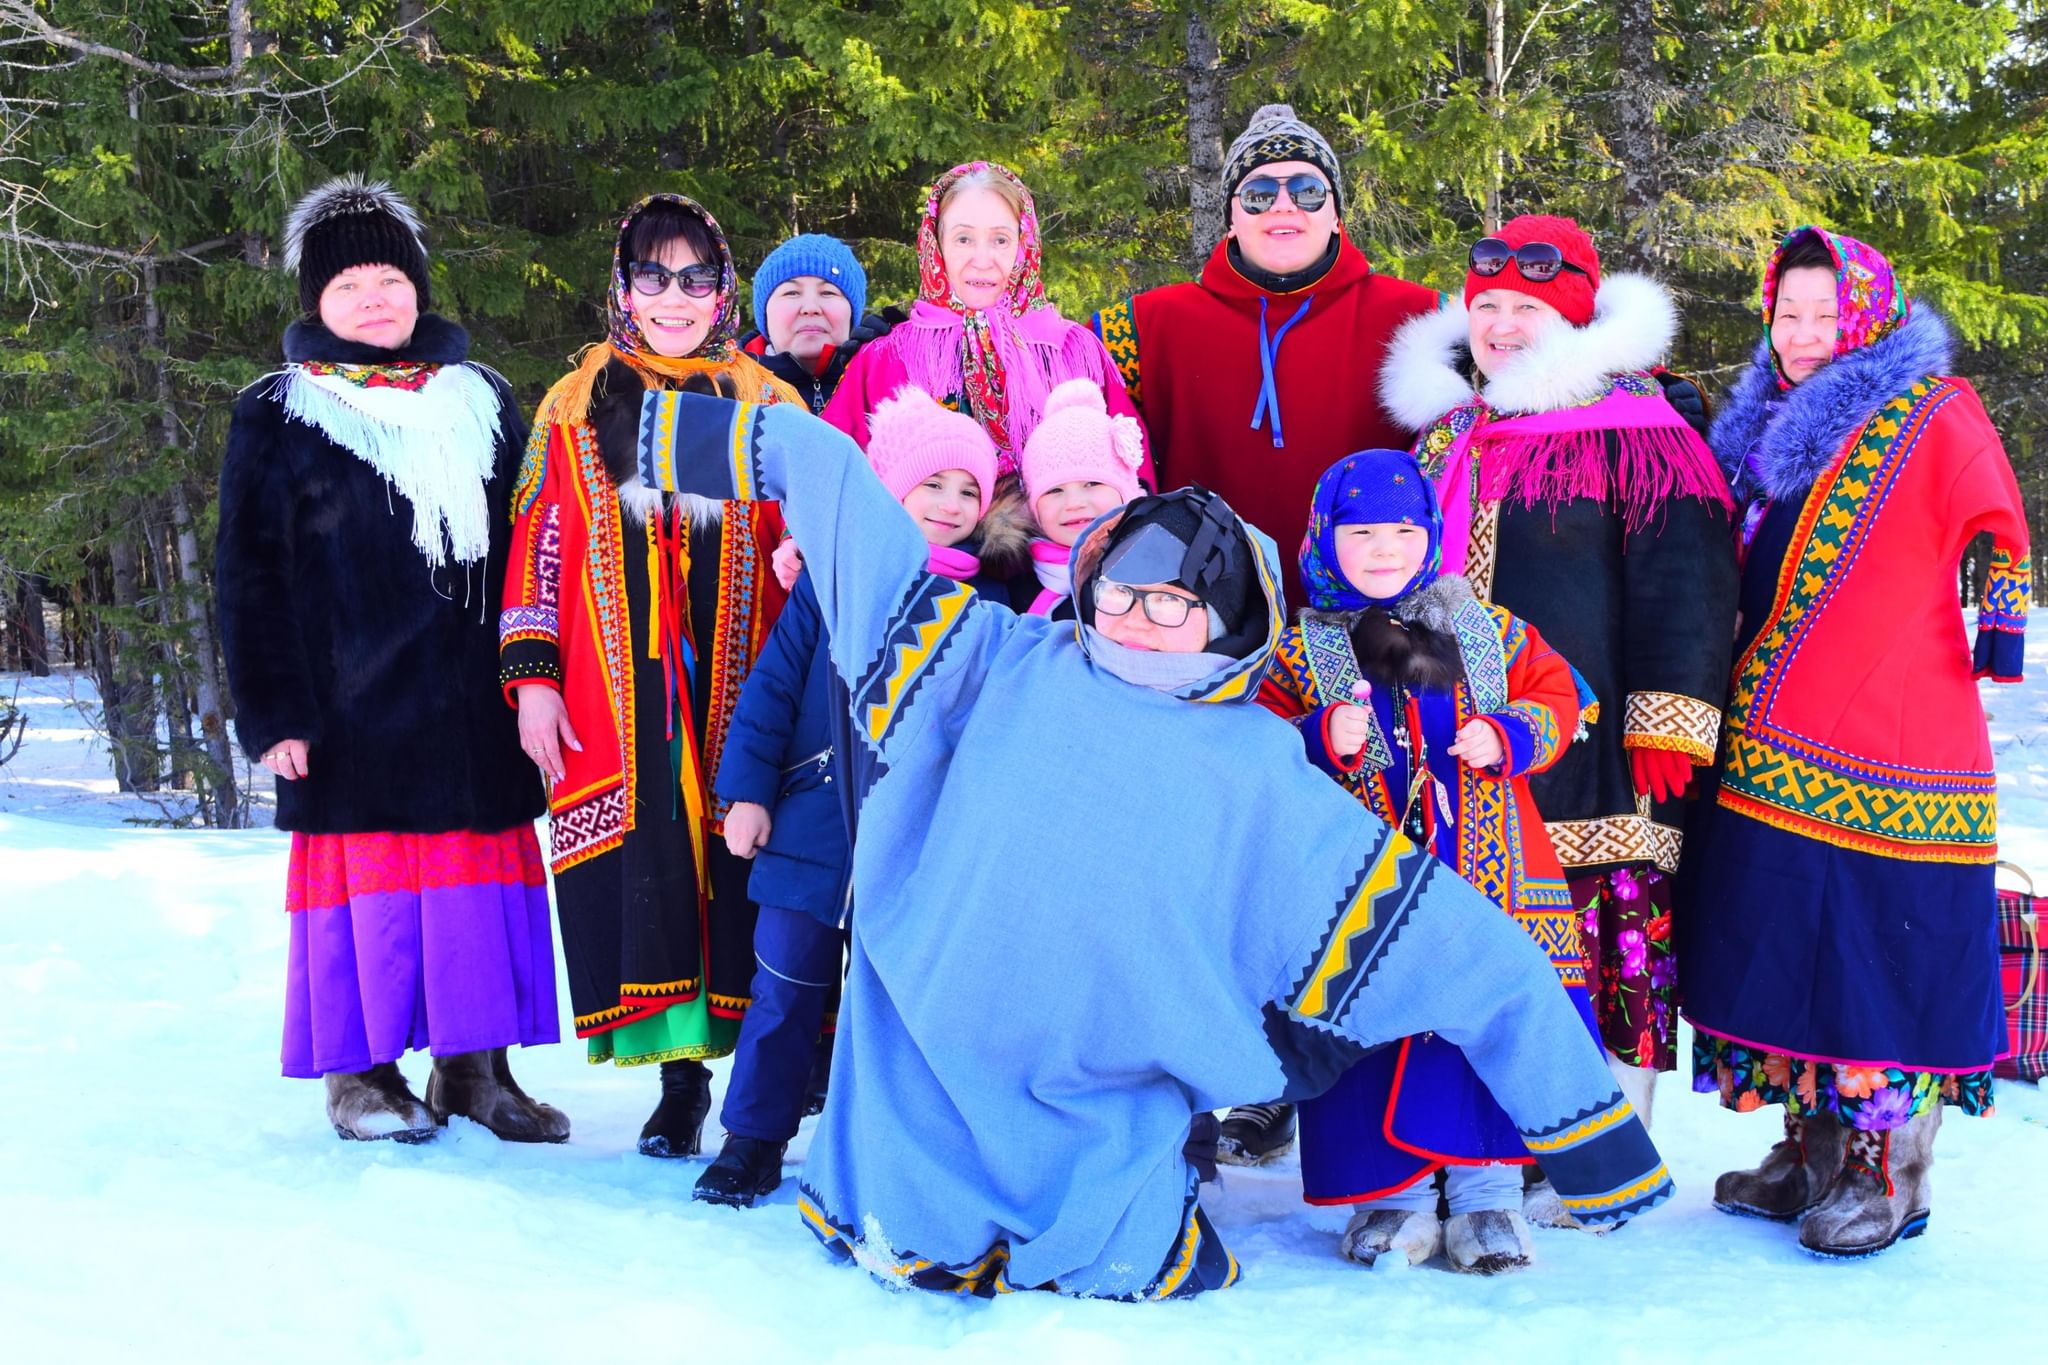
(1660, 774)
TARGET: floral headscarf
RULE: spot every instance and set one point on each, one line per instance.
(719, 355)
(1370, 486)
(990, 345)
(1869, 306)
(623, 331)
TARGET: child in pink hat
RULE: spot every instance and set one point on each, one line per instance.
(1079, 463)
(783, 773)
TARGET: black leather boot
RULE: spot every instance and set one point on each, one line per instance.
(676, 1127)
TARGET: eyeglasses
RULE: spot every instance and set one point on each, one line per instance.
(1259, 193)
(1538, 262)
(1162, 608)
(652, 277)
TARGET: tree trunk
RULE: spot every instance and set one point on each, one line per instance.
(189, 586)
(1496, 102)
(33, 639)
(419, 34)
(127, 691)
(170, 672)
(1636, 143)
(1202, 77)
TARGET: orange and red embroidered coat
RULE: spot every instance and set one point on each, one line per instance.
(563, 624)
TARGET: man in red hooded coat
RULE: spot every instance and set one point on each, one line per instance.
(1256, 378)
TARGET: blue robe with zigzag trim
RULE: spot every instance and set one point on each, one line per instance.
(1192, 916)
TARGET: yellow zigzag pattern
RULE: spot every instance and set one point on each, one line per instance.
(1356, 919)
(912, 656)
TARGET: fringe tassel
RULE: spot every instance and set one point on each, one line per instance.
(439, 463)
(935, 358)
(1648, 466)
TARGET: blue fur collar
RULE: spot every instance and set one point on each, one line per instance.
(1795, 435)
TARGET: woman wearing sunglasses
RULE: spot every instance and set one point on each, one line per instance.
(1577, 497)
(630, 619)
(1256, 377)
(1841, 957)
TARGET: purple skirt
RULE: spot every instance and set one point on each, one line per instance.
(403, 941)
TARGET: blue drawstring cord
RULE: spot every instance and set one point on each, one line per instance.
(1268, 353)
(1269, 350)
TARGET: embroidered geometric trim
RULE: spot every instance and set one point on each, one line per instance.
(1671, 721)
(2008, 590)
(1481, 548)
(1771, 783)
(1117, 326)
(1615, 839)
(1334, 669)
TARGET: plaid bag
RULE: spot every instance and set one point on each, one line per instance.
(2026, 995)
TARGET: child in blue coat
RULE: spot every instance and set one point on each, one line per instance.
(784, 773)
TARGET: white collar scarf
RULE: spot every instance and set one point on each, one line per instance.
(430, 430)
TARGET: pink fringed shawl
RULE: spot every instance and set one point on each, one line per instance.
(1552, 457)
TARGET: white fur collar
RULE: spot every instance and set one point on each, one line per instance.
(1634, 321)
(638, 502)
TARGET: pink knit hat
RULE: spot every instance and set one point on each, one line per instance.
(911, 437)
(1078, 439)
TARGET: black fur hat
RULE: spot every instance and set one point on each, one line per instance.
(349, 222)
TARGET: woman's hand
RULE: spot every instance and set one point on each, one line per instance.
(544, 728)
(747, 826)
(287, 758)
(1478, 745)
(788, 562)
(1349, 728)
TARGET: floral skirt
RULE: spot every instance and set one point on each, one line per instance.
(1625, 920)
(1871, 1098)
(403, 941)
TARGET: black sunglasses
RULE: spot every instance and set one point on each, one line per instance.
(1261, 192)
(1538, 262)
(652, 277)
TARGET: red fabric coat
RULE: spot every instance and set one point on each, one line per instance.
(1190, 356)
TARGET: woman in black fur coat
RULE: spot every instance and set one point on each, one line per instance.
(363, 529)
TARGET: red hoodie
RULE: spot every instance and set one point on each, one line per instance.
(1191, 356)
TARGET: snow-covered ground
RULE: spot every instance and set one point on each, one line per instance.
(163, 1192)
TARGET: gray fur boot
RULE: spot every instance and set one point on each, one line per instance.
(1792, 1177)
(479, 1086)
(1374, 1233)
(1541, 1208)
(368, 1106)
(1487, 1242)
(1881, 1193)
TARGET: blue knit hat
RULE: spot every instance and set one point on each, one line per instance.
(810, 253)
(1372, 486)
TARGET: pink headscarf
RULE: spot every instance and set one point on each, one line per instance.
(1867, 298)
(1005, 359)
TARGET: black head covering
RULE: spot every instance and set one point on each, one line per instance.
(1204, 550)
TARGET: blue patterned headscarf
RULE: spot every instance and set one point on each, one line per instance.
(1370, 486)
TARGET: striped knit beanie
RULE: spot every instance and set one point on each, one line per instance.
(1275, 134)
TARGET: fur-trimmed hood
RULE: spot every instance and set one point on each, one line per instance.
(1003, 540)
(1428, 370)
(1777, 443)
